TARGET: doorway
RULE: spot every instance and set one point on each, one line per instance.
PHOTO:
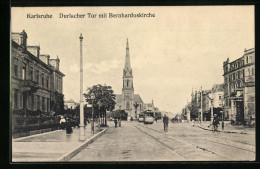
(240, 112)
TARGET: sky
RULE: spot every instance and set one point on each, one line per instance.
(179, 49)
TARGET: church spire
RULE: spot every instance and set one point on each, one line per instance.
(127, 57)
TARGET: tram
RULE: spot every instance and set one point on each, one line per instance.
(148, 117)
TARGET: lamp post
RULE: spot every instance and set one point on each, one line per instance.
(92, 98)
(82, 126)
(136, 105)
(222, 114)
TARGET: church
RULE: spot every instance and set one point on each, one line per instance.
(128, 101)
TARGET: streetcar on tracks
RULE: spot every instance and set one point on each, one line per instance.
(148, 117)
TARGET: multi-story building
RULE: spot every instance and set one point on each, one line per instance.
(34, 77)
(210, 99)
(239, 88)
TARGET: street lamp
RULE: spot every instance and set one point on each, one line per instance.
(92, 96)
(136, 105)
(222, 100)
(82, 126)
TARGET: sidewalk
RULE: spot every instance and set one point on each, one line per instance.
(50, 146)
(228, 128)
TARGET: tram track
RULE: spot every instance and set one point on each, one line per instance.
(182, 141)
(193, 143)
(157, 140)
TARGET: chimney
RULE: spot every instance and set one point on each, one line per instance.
(45, 59)
(55, 63)
(20, 38)
(35, 50)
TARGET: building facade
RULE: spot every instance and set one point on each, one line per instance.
(33, 77)
(239, 88)
(70, 104)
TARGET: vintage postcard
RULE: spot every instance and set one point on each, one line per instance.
(157, 83)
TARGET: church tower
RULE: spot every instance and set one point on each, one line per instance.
(128, 88)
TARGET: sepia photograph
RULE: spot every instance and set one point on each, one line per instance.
(132, 84)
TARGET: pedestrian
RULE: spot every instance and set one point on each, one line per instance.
(193, 123)
(165, 122)
(119, 121)
(131, 119)
(115, 120)
(62, 122)
(223, 125)
(215, 122)
(68, 127)
(156, 119)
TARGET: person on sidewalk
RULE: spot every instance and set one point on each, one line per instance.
(215, 122)
(193, 123)
(165, 122)
(68, 127)
(115, 120)
(119, 121)
(156, 119)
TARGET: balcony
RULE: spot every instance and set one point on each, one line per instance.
(29, 85)
(250, 79)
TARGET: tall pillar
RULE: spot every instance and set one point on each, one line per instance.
(201, 101)
(82, 126)
(232, 110)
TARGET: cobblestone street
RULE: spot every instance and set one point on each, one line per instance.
(139, 142)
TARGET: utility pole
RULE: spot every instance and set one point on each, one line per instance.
(201, 115)
(211, 100)
(82, 126)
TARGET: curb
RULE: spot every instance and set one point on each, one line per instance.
(34, 135)
(69, 155)
(223, 131)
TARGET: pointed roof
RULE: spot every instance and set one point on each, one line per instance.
(127, 57)
(137, 99)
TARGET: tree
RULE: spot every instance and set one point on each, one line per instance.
(136, 105)
(104, 99)
(57, 102)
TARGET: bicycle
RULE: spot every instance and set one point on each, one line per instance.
(215, 129)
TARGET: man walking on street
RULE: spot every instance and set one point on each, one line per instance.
(165, 122)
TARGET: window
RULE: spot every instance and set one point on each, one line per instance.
(32, 102)
(48, 105)
(253, 71)
(248, 71)
(37, 76)
(246, 59)
(31, 73)
(15, 67)
(127, 82)
(24, 72)
(43, 99)
(47, 82)
(42, 80)
(15, 98)
(38, 102)
(219, 97)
